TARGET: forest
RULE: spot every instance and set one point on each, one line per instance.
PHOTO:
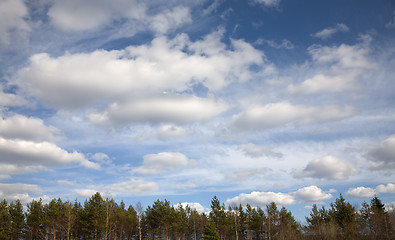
(103, 218)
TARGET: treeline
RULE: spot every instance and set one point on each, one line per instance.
(103, 218)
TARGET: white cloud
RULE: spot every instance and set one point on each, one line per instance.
(285, 44)
(342, 66)
(267, 3)
(328, 32)
(212, 7)
(18, 191)
(312, 194)
(389, 188)
(12, 23)
(194, 205)
(165, 108)
(9, 99)
(160, 162)
(361, 192)
(116, 76)
(66, 182)
(328, 167)
(261, 199)
(273, 115)
(170, 19)
(86, 193)
(133, 187)
(27, 128)
(7, 169)
(21, 152)
(382, 156)
(77, 15)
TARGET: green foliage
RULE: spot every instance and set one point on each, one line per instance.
(210, 231)
(5, 221)
(104, 219)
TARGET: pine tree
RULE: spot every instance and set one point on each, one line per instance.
(5, 220)
(17, 219)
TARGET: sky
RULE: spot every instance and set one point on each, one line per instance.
(251, 101)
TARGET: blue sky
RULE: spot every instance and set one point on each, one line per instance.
(253, 101)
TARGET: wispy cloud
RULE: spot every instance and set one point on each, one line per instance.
(329, 32)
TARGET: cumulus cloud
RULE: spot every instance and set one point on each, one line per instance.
(382, 156)
(367, 192)
(389, 188)
(9, 99)
(361, 192)
(160, 162)
(312, 194)
(18, 191)
(342, 65)
(260, 199)
(193, 205)
(262, 117)
(21, 152)
(328, 32)
(12, 23)
(328, 167)
(165, 108)
(27, 128)
(119, 75)
(170, 131)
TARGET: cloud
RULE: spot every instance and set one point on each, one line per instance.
(9, 99)
(212, 7)
(170, 131)
(361, 192)
(7, 169)
(193, 205)
(160, 162)
(115, 76)
(328, 32)
(27, 128)
(263, 117)
(367, 192)
(12, 22)
(312, 194)
(246, 173)
(260, 199)
(391, 23)
(18, 191)
(342, 66)
(133, 187)
(86, 193)
(255, 151)
(285, 44)
(382, 156)
(389, 188)
(74, 15)
(268, 3)
(165, 108)
(328, 167)
(66, 182)
(170, 19)
(21, 152)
